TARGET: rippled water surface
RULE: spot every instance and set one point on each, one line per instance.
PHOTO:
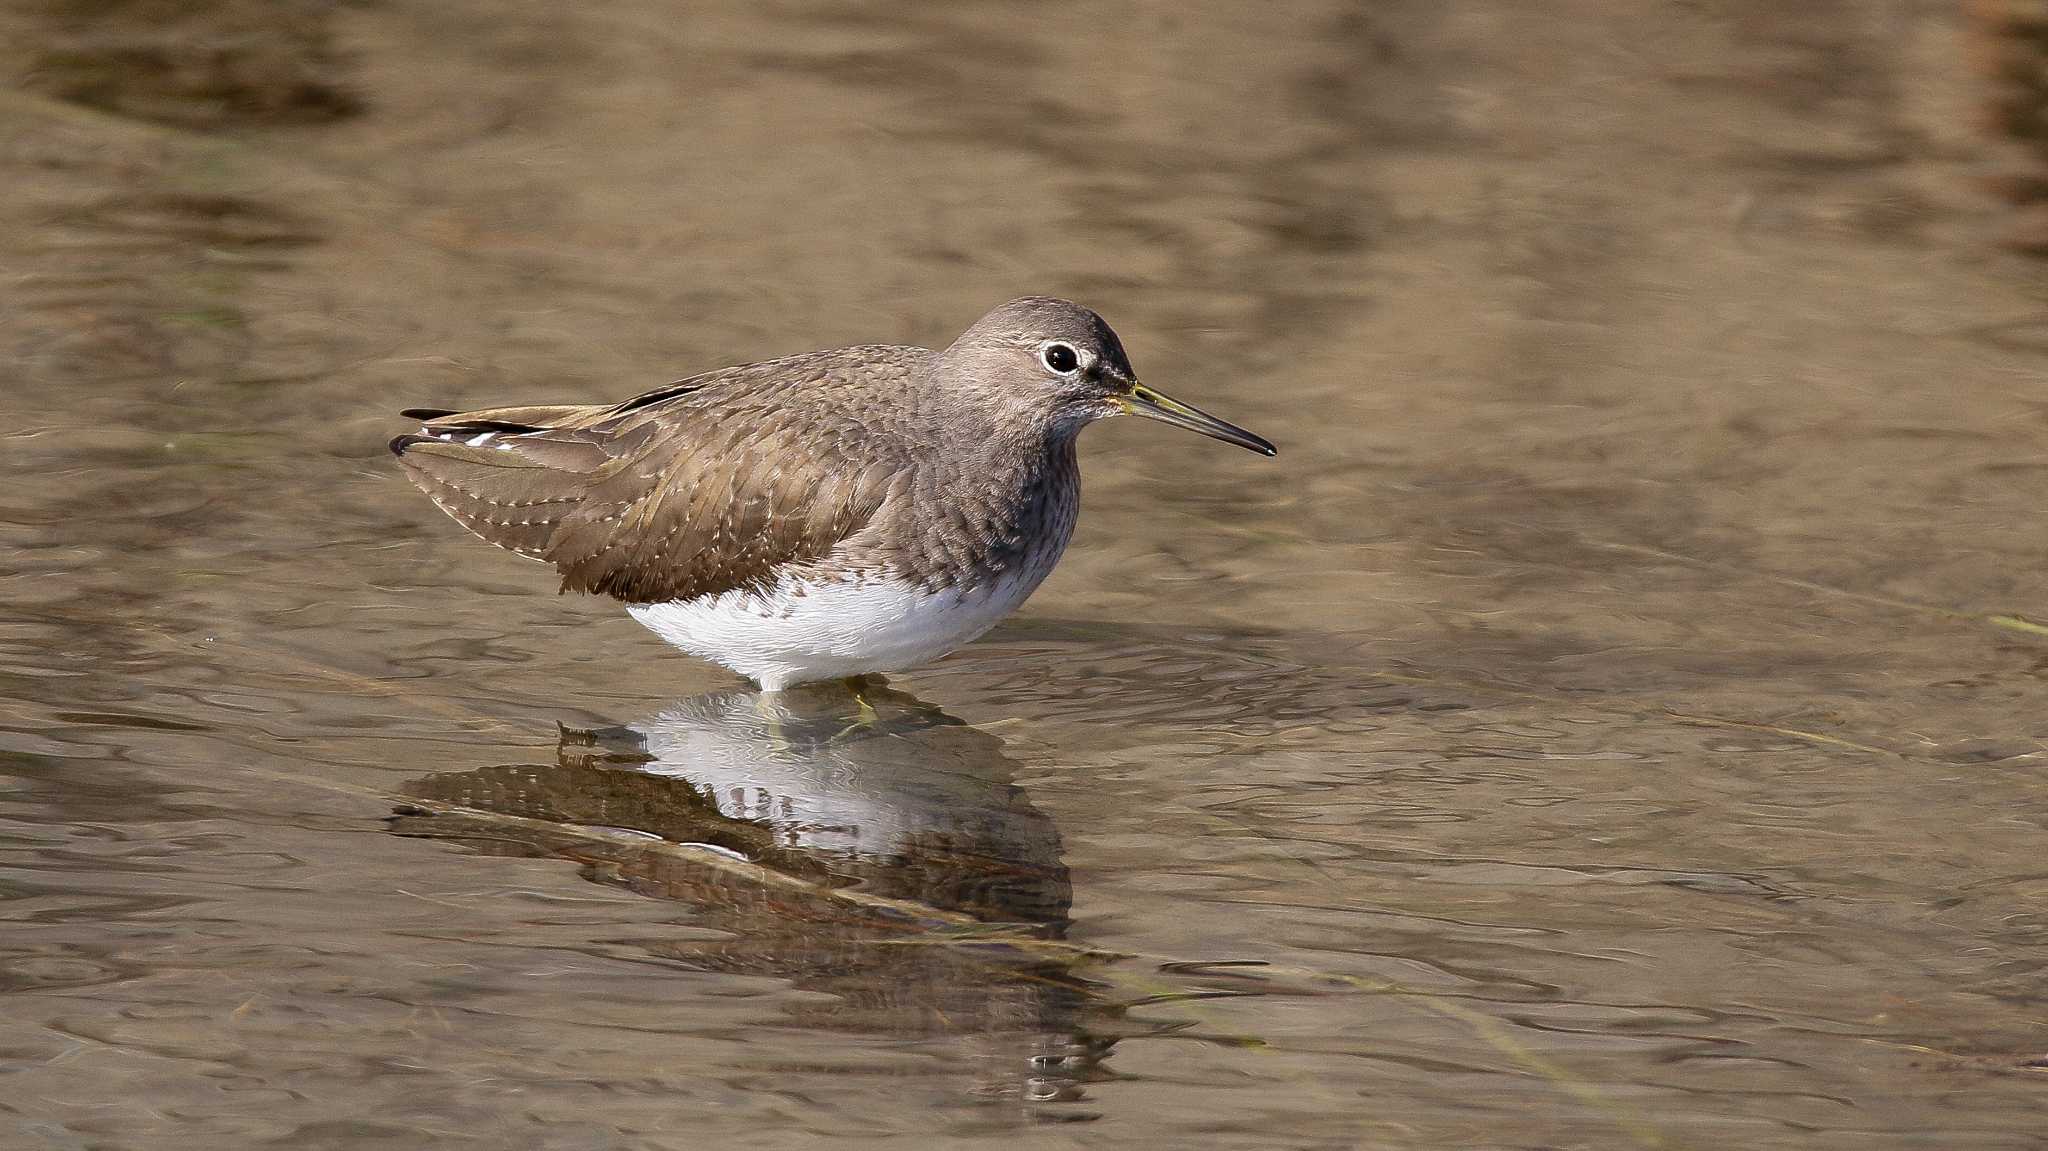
(1615, 720)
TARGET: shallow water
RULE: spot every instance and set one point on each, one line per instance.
(1614, 720)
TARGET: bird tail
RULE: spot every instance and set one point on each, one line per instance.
(494, 472)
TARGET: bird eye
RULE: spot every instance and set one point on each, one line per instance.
(1060, 358)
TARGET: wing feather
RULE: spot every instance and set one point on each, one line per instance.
(694, 489)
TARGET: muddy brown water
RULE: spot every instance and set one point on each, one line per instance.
(1615, 720)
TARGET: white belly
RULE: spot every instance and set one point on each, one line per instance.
(803, 630)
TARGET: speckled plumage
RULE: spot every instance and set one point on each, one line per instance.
(952, 473)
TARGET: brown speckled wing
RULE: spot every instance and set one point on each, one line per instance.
(698, 490)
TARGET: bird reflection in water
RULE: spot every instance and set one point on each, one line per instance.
(823, 829)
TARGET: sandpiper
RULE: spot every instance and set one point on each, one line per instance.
(866, 509)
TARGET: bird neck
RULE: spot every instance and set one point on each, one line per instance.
(999, 503)
(991, 428)
(1022, 451)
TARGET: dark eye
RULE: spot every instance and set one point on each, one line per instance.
(1061, 358)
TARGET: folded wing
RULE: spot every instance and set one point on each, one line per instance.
(657, 499)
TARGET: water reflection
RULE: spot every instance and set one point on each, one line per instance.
(859, 843)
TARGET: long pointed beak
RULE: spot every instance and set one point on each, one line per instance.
(1143, 401)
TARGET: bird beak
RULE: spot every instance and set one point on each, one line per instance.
(1143, 401)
